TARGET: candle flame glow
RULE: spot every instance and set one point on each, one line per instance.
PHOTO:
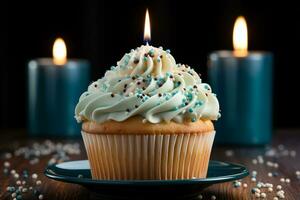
(59, 52)
(147, 30)
(240, 37)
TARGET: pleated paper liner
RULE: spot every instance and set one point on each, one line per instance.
(153, 156)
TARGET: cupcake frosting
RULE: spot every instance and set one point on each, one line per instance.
(148, 82)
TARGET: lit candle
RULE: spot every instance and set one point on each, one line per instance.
(147, 29)
(54, 86)
(243, 81)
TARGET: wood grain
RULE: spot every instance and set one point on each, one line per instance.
(51, 189)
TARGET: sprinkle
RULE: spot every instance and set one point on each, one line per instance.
(159, 94)
(254, 173)
(112, 95)
(259, 185)
(213, 197)
(16, 175)
(34, 176)
(278, 187)
(13, 171)
(38, 182)
(253, 179)
(136, 61)
(263, 195)
(193, 119)
(10, 189)
(287, 180)
(191, 110)
(18, 182)
(144, 121)
(24, 190)
(260, 159)
(270, 174)
(133, 78)
(7, 155)
(270, 189)
(257, 195)
(19, 197)
(127, 110)
(229, 153)
(282, 180)
(275, 198)
(168, 51)
(6, 164)
(254, 161)
(13, 195)
(200, 196)
(41, 197)
(237, 184)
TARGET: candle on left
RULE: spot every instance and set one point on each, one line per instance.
(54, 86)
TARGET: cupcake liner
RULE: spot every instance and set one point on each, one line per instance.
(153, 156)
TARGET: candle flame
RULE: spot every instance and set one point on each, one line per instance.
(59, 52)
(147, 31)
(240, 37)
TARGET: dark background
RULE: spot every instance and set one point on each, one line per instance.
(102, 31)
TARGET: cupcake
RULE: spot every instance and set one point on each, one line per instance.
(148, 118)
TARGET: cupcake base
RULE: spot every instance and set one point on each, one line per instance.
(148, 156)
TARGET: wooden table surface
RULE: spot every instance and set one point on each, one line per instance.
(285, 151)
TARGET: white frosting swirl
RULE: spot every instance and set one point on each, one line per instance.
(148, 82)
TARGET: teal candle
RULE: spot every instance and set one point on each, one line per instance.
(244, 88)
(53, 92)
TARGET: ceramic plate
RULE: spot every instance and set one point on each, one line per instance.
(78, 172)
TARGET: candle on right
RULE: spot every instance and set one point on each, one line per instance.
(243, 81)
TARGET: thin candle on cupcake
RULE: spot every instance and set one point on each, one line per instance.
(148, 118)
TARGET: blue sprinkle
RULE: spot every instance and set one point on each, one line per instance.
(158, 59)
(145, 59)
(151, 52)
(191, 110)
(175, 108)
(112, 67)
(168, 74)
(11, 189)
(19, 197)
(193, 119)
(168, 51)
(206, 87)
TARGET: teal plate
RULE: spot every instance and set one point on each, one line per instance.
(78, 172)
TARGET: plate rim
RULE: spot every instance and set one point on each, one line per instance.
(88, 181)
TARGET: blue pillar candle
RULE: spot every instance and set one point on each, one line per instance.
(53, 91)
(244, 89)
(243, 82)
